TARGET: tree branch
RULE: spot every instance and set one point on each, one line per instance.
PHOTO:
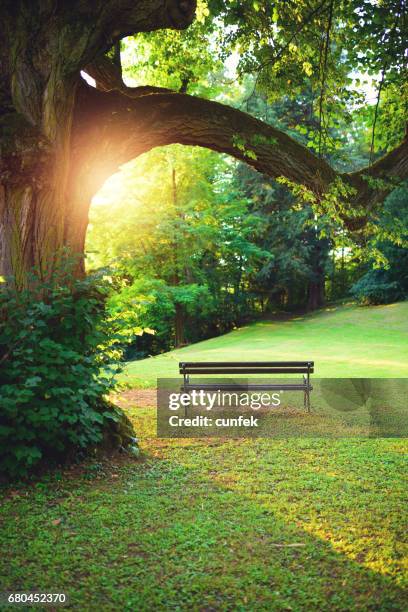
(393, 165)
(108, 77)
(119, 126)
(107, 74)
(131, 124)
(117, 19)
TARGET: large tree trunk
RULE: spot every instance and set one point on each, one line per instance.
(315, 293)
(45, 187)
(34, 207)
(41, 225)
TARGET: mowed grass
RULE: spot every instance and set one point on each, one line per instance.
(225, 525)
(344, 341)
(216, 525)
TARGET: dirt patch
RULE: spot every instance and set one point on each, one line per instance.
(136, 398)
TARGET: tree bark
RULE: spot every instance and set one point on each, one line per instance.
(316, 286)
(179, 326)
(316, 294)
(34, 172)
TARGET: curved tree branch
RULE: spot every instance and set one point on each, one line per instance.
(106, 73)
(391, 168)
(122, 126)
(113, 128)
(120, 18)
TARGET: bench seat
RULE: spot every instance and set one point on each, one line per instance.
(239, 368)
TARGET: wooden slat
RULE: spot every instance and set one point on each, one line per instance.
(248, 387)
(223, 364)
(254, 370)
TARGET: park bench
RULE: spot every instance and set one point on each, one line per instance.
(238, 368)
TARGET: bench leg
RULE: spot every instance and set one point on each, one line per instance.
(308, 388)
(306, 400)
(186, 382)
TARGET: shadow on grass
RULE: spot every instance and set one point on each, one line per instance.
(217, 525)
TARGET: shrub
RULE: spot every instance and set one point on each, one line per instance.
(376, 287)
(389, 284)
(59, 353)
(150, 303)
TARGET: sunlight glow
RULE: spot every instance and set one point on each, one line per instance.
(115, 188)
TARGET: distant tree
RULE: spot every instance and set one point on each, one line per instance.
(294, 275)
(183, 240)
(389, 282)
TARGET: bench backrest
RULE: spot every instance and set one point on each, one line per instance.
(246, 367)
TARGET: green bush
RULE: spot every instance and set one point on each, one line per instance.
(58, 356)
(376, 287)
(389, 284)
(150, 304)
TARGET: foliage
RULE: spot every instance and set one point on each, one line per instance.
(388, 282)
(151, 303)
(59, 355)
(179, 60)
(181, 237)
(292, 237)
(375, 287)
(344, 59)
(346, 54)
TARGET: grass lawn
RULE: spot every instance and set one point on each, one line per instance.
(343, 341)
(217, 525)
(247, 524)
